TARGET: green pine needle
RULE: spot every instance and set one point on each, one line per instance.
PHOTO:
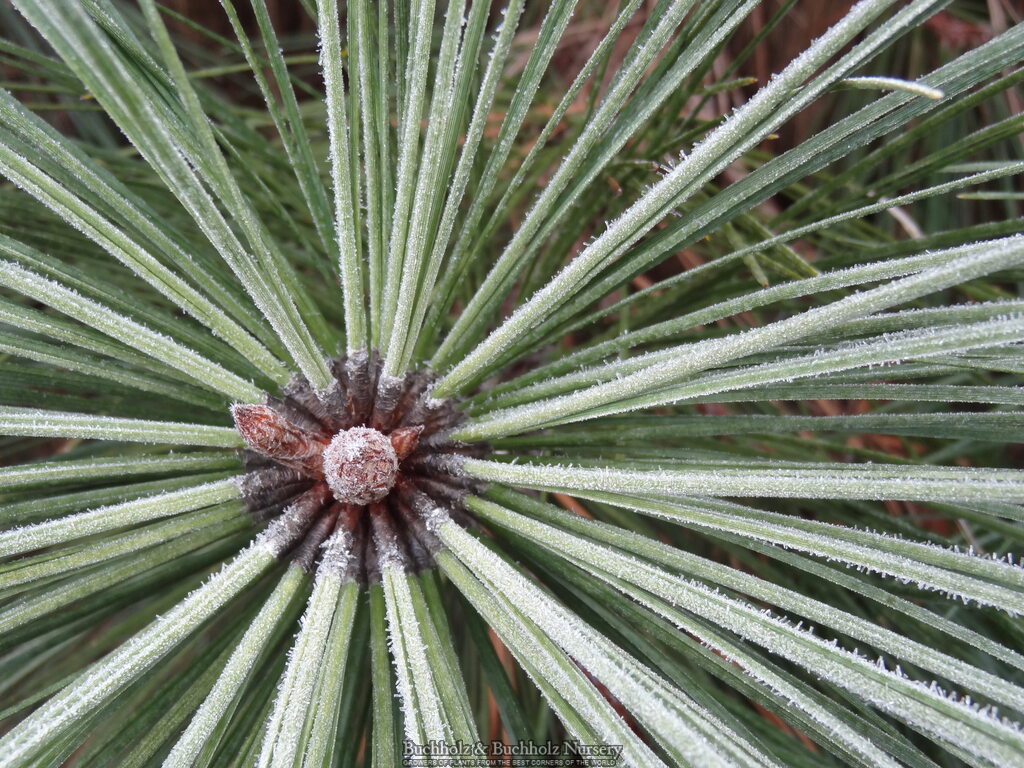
(434, 375)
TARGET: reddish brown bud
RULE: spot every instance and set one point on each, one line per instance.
(264, 430)
(360, 465)
(405, 439)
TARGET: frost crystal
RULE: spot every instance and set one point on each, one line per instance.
(360, 466)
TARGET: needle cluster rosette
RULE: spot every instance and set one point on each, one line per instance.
(370, 455)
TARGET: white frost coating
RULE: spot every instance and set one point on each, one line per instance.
(289, 527)
(184, 159)
(864, 353)
(282, 740)
(322, 734)
(128, 513)
(296, 701)
(794, 695)
(744, 128)
(442, 254)
(360, 466)
(76, 210)
(54, 472)
(373, 150)
(448, 463)
(338, 136)
(41, 602)
(201, 147)
(571, 695)
(928, 566)
(747, 188)
(852, 481)
(434, 403)
(163, 348)
(1002, 426)
(432, 185)
(949, 719)
(35, 422)
(116, 671)
(421, 706)
(236, 672)
(698, 736)
(434, 517)
(389, 554)
(551, 31)
(388, 383)
(337, 554)
(420, 33)
(123, 543)
(627, 77)
(57, 353)
(546, 385)
(569, 544)
(647, 386)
